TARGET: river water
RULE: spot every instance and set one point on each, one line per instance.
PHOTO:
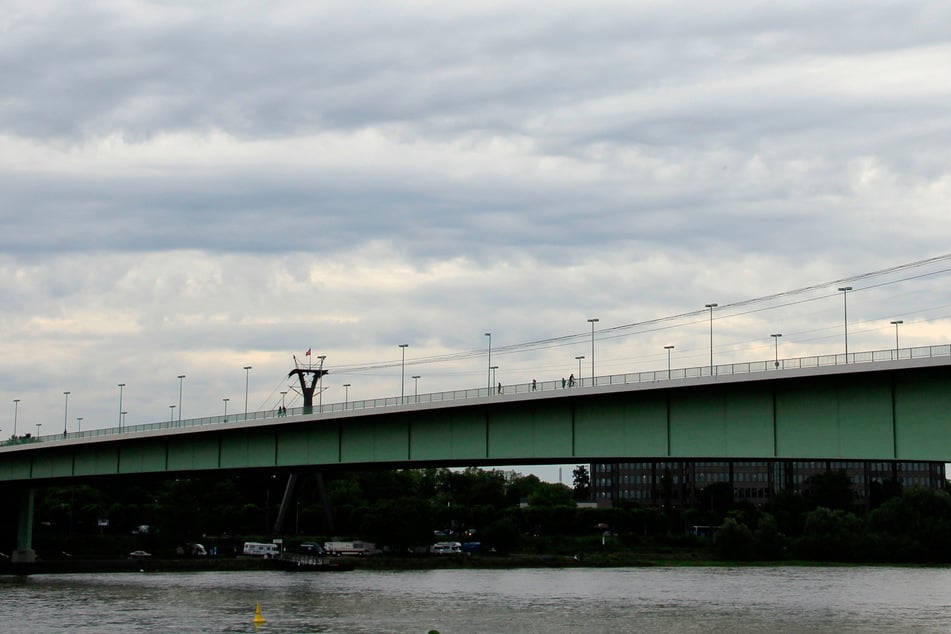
(786, 599)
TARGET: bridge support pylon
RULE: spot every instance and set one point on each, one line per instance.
(24, 552)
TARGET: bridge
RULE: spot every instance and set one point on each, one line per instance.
(880, 405)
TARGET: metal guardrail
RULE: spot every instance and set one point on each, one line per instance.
(656, 376)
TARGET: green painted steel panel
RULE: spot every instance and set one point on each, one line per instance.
(865, 418)
(308, 444)
(248, 448)
(198, 452)
(530, 431)
(806, 420)
(377, 440)
(143, 457)
(458, 436)
(722, 421)
(16, 467)
(923, 417)
(97, 460)
(841, 417)
(625, 425)
(53, 464)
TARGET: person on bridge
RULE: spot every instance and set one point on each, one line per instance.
(500, 387)
(571, 380)
(562, 382)
(534, 385)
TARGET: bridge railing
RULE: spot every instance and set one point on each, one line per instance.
(651, 376)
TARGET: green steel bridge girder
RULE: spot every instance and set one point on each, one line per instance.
(862, 414)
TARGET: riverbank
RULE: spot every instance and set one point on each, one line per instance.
(377, 562)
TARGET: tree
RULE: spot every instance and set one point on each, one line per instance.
(831, 536)
(733, 541)
(914, 526)
(832, 490)
(581, 482)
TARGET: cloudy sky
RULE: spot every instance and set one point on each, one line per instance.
(191, 188)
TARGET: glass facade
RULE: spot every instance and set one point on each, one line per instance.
(678, 483)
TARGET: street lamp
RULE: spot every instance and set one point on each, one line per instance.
(488, 374)
(845, 311)
(416, 387)
(579, 358)
(592, 322)
(226, 408)
(247, 379)
(38, 425)
(845, 319)
(776, 337)
(896, 323)
(711, 307)
(403, 347)
(181, 380)
(120, 386)
(171, 414)
(346, 395)
(122, 420)
(492, 369)
(79, 424)
(16, 410)
(668, 349)
(65, 411)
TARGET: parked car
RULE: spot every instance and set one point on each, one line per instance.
(139, 554)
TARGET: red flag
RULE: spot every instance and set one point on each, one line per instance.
(307, 354)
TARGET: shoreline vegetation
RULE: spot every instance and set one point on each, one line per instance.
(416, 563)
(498, 520)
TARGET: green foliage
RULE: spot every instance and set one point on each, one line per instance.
(547, 494)
(831, 536)
(913, 527)
(733, 541)
(398, 524)
(831, 490)
(581, 482)
(502, 534)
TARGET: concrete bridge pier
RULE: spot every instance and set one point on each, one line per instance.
(24, 552)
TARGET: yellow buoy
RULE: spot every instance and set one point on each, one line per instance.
(258, 617)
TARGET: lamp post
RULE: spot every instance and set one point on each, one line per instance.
(247, 379)
(403, 347)
(592, 322)
(776, 337)
(16, 410)
(120, 386)
(225, 400)
(38, 425)
(171, 414)
(896, 323)
(416, 388)
(346, 395)
(579, 358)
(79, 424)
(492, 369)
(845, 320)
(668, 349)
(122, 420)
(181, 380)
(65, 411)
(488, 374)
(711, 307)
